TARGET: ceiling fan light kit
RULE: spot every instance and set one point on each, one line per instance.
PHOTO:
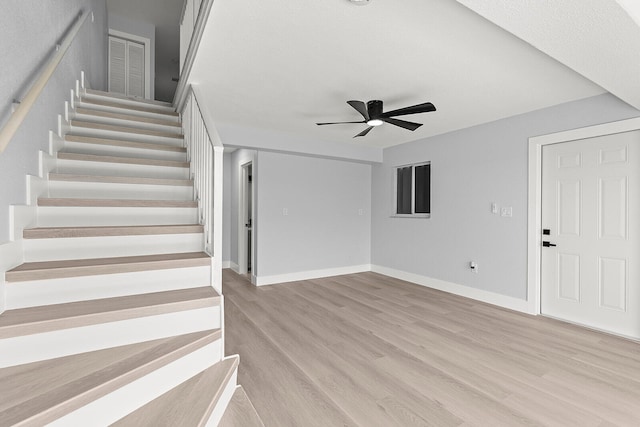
(374, 116)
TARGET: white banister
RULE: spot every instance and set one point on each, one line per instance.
(195, 14)
(24, 105)
(205, 174)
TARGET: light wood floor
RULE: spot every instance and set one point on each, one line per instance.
(369, 350)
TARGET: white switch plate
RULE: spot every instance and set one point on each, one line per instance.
(360, 212)
(285, 211)
(507, 211)
(494, 208)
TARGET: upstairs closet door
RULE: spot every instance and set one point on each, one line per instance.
(126, 67)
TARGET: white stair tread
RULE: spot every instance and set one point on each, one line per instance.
(128, 117)
(40, 319)
(123, 129)
(95, 266)
(109, 230)
(123, 143)
(64, 155)
(188, 404)
(240, 412)
(118, 203)
(118, 96)
(117, 103)
(112, 179)
(40, 392)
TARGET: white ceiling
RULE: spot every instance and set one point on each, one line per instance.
(282, 65)
(600, 39)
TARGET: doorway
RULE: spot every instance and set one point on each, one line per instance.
(588, 241)
(246, 259)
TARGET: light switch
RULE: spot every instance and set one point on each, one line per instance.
(494, 208)
(360, 212)
(285, 211)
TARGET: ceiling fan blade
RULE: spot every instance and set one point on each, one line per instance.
(361, 108)
(337, 123)
(402, 123)
(414, 109)
(364, 132)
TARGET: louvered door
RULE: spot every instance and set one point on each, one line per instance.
(126, 67)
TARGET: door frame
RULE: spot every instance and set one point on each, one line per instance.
(243, 257)
(147, 57)
(534, 220)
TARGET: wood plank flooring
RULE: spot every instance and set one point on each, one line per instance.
(240, 412)
(369, 350)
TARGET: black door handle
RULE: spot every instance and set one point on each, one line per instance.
(547, 244)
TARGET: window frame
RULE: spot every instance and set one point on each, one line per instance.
(394, 203)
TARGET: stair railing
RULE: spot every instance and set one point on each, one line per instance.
(40, 81)
(195, 14)
(200, 153)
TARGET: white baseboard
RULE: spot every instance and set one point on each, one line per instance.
(312, 274)
(454, 288)
(235, 267)
(226, 264)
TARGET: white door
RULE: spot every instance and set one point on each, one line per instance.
(590, 210)
(126, 67)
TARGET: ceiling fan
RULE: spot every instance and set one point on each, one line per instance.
(373, 115)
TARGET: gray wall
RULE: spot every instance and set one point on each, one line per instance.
(244, 136)
(323, 228)
(28, 32)
(141, 29)
(470, 169)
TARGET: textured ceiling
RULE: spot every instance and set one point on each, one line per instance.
(283, 65)
(632, 7)
(600, 39)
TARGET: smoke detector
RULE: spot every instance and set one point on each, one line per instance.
(360, 2)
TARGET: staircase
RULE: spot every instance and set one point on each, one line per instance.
(113, 317)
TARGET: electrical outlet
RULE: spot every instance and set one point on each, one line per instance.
(285, 211)
(507, 211)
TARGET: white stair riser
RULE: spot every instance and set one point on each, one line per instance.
(65, 342)
(132, 396)
(223, 402)
(120, 169)
(58, 291)
(100, 190)
(112, 246)
(125, 110)
(101, 133)
(126, 102)
(113, 150)
(128, 123)
(53, 216)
